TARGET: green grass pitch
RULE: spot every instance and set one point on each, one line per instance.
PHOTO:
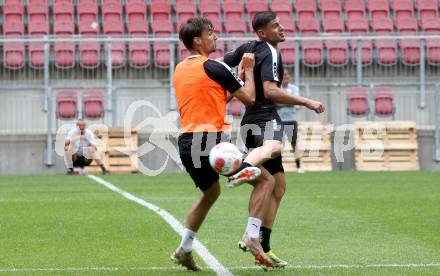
(61, 225)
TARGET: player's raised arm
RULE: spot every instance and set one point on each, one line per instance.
(246, 94)
(277, 95)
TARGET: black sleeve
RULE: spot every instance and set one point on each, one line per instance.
(269, 67)
(223, 75)
(233, 57)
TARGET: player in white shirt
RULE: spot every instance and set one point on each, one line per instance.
(288, 115)
(80, 148)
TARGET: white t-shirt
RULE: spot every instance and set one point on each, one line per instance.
(76, 140)
(287, 113)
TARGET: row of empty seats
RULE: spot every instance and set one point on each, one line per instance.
(115, 19)
(67, 104)
(358, 103)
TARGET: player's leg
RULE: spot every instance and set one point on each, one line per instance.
(258, 203)
(265, 141)
(206, 179)
(269, 218)
(295, 151)
(68, 159)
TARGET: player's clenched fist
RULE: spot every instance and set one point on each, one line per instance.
(316, 106)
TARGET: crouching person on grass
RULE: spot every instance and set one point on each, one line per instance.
(80, 149)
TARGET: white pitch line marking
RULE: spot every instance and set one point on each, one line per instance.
(201, 250)
(236, 268)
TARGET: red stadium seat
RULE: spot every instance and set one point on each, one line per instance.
(116, 29)
(64, 50)
(427, 8)
(66, 104)
(283, 8)
(403, 8)
(359, 26)
(432, 25)
(93, 104)
(233, 10)
(38, 11)
(378, 8)
(63, 11)
(13, 11)
(386, 48)
(305, 9)
(410, 47)
(136, 10)
(87, 10)
(406, 24)
(235, 27)
(331, 8)
(184, 11)
(210, 9)
(89, 50)
(139, 51)
(254, 6)
(160, 10)
(312, 49)
(337, 49)
(355, 8)
(288, 25)
(36, 49)
(309, 25)
(287, 50)
(357, 101)
(162, 49)
(112, 10)
(13, 52)
(384, 101)
(433, 47)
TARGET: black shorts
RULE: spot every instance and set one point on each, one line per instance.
(198, 165)
(291, 131)
(261, 125)
(80, 161)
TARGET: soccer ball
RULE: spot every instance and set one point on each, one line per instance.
(225, 158)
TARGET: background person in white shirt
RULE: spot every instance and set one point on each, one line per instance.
(288, 115)
(80, 148)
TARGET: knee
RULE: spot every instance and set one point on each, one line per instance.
(276, 148)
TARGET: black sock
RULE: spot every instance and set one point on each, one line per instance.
(244, 165)
(298, 164)
(265, 238)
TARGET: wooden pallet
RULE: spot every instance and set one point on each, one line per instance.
(119, 155)
(314, 147)
(393, 147)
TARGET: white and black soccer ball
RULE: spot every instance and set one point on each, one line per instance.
(225, 158)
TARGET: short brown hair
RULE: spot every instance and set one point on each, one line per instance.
(193, 27)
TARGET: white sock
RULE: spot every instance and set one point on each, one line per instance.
(253, 227)
(68, 161)
(187, 240)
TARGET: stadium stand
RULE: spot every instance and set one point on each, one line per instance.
(305, 18)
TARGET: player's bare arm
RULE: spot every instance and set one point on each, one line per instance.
(277, 95)
(246, 94)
